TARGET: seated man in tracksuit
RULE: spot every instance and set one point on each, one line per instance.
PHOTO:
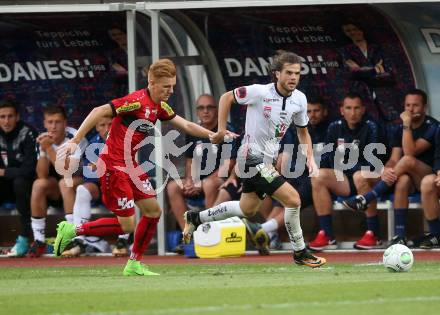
(343, 177)
(411, 159)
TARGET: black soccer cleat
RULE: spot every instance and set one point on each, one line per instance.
(192, 221)
(430, 241)
(357, 203)
(398, 240)
(304, 257)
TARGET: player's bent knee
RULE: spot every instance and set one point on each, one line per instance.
(320, 180)
(359, 179)
(291, 203)
(173, 188)
(156, 213)
(248, 213)
(428, 184)
(403, 182)
(40, 187)
(407, 161)
(248, 209)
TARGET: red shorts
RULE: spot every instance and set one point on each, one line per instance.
(119, 191)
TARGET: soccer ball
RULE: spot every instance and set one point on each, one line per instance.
(398, 258)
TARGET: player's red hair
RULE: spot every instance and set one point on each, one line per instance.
(162, 68)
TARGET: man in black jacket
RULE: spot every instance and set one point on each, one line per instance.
(17, 168)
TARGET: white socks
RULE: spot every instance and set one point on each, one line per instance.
(69, 217)
(39, 229)
(82, 210)
(293, 227)
(222, 211)
(270, 226)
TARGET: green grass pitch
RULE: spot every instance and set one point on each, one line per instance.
(222, 289)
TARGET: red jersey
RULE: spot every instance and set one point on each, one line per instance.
(138, 108)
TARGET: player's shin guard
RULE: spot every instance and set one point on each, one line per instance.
(145, 230)
(221, 212)
(293, 227)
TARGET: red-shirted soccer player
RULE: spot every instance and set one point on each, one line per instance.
(120, 188)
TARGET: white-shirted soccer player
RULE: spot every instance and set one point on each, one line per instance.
(271, 110)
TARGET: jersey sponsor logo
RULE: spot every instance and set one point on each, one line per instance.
(267, 110)
(270, 100)
(167, 108)
(241, 92)
(128, 107)
(124, 203)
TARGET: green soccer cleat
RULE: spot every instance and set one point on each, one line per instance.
(135, 268)
(65, 233)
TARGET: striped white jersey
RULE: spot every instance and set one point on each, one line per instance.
(268, 116)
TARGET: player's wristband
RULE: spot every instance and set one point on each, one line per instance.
(405, 127)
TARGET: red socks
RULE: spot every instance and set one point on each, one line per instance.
(100, 227)
(145, 230)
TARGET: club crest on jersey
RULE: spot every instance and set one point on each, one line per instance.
(280, 130)
(167, 108)
(149, 111)
(241, 92)
(267, 110)
(128, 107)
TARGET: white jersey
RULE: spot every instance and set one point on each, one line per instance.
(70, 133)
(268, 116)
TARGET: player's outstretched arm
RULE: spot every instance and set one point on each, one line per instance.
(91, 121)
(190, 127)
(197, 130)
(224, 107)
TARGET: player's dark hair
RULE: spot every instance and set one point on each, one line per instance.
(419, 92)
(352, 22)
(10, 103)
(317, 100)
(281, 58)
(352, 96)
(55, 109)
